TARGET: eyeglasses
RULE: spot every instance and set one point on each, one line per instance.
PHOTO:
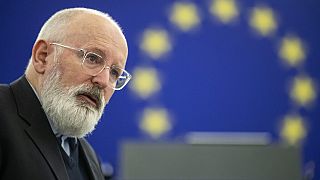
(93, 64)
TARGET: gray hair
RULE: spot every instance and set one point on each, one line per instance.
(55, 27)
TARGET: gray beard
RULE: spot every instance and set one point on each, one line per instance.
(68, 115)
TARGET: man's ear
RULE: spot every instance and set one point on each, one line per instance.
(39, 56)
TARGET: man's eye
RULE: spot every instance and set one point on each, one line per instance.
(93, 59)
(114, 73)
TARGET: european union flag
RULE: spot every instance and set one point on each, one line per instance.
(199, 66)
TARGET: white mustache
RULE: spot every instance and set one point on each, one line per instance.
(94, 92)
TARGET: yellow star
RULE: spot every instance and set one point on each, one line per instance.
(292, 51)
(155, 42)
(293, 129)
(225, 10)
(145, 82)
(262, 19)
(185, 16)
(155, 122)
(303, 91)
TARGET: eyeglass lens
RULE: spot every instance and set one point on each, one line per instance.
(94, 64)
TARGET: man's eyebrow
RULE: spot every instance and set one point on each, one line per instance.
(103, 55)
(97, 51)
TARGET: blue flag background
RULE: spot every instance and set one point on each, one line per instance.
(197, 66)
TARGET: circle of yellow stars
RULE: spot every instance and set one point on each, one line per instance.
(156, 43)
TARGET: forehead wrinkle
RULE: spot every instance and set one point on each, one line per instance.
(101, 36)
(113, 48)
(110, 40)
(101, 46)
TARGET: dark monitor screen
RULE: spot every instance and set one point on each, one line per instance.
(178, 161)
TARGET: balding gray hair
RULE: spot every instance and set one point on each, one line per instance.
(55, 28)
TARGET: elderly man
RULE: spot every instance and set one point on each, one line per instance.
(77, 63)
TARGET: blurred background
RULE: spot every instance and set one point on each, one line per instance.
(197, 66)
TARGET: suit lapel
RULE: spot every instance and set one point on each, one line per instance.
(91, 160)
(39, 130)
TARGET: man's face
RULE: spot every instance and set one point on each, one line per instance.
(93, 34)
(67, 88)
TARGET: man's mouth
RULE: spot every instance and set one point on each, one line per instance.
(90, 98)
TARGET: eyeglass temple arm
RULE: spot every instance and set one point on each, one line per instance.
(61, 45)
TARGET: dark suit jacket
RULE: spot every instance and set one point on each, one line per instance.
(28, 147)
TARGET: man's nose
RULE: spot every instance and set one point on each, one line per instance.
(102, 79)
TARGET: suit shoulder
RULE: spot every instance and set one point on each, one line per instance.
(8, 108)
(4, 89)
(6, 95)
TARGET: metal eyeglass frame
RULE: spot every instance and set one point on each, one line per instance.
(85, 53)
